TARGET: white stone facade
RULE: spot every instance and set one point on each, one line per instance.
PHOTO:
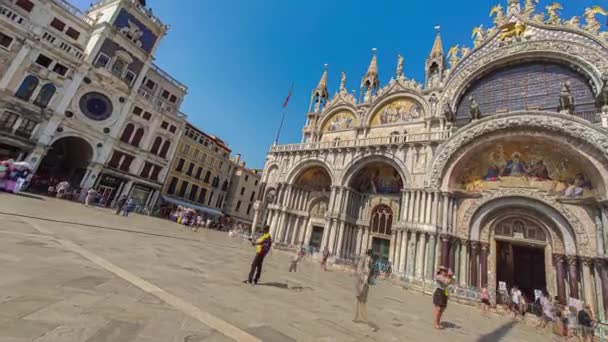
(480, 164)
(100, 65)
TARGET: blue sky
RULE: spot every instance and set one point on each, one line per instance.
(239, 57)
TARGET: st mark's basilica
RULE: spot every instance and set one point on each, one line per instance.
(496, 166)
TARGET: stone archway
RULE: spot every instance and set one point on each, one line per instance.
(67, 159)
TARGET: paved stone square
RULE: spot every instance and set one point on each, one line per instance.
(71, 273)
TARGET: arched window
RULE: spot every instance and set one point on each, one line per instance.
(27, 87)
(382, 220)
(156, 145)
(45, 95)
(137, 138)
(127, 133)
(165, 149)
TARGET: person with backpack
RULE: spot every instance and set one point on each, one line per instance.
(262, 246)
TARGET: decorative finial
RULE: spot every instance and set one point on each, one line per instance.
(399, 65)
(374, 50)
(326, 65)
(438, 28)
(343, 82)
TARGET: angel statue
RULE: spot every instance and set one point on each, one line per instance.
(499, 15)
(343, 82)
(453, 55)
(478, 36)
(593, 25)
(574, 22)
(529, 7)
(552, 11)
(465, 51)
(399, 65)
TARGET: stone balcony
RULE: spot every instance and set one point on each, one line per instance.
(405, 139)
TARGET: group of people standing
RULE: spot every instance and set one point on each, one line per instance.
(14, 175)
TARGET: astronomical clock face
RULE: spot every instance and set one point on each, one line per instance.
(96, 106)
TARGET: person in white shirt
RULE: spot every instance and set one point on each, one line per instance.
(515, 300)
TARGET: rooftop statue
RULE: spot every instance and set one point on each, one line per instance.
(478, 35)
(593, 25)
(499, 15)
(552, 11)
(343, 82)
(453, 55)
(399, 65)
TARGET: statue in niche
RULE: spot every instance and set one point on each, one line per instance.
(566, 100)
(448, 113)
(474, 111)
(399, 65)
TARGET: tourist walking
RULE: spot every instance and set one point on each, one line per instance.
(262, 247)
(443, 279)
(587, 323)
(324, 257)
(293, 266)
(120, 204)
(516, 300)
(485, 300)
(129, 207)
(361, 278)
(90, 197)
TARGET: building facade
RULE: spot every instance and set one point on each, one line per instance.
(242, 192)
(200, 173)
(496, 166)
(71, 85)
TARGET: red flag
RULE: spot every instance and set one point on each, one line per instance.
(286, 102)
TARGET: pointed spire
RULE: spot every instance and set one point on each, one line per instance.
(323, 81)
(373, 64)
(437, 50)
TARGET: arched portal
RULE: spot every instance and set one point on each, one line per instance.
(375, 187)
(520, 238)
(66, 160)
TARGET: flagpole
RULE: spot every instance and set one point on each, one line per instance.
(276, 139)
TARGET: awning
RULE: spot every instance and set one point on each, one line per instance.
(202, 208)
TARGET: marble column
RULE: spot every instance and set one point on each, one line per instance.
(340, 240)
(484, 263)
(560, 274)
(462, 275)
(603, 272)
(435, 208)
(365, 242)
(392, 247)
(410, 208)
(452, 253)
(444, 219)
(403, 251)
(445, 250)
(573, 275)
(411, 255)
(404, 204)
(308, 233)
(332, 236)
(588, 294)
(422, 207)
(416, 206)
(397, 257)
(359, 241)
(429, 203)
(296, 230)
(473, 263)
(430, 264)
(420, 256)
(303, 224)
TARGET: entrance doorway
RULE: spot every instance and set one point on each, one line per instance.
(67, 159)
(380, 248)
(522, 265)
(316, 238)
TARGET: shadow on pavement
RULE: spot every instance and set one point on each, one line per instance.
(277, 285)
(23, 194)
(497, 334)
(450, 325)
